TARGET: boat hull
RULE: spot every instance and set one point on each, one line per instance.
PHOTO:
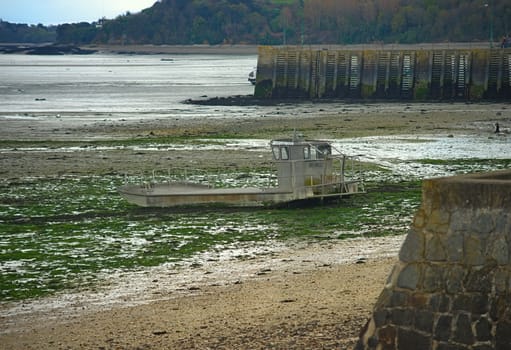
(173, 195)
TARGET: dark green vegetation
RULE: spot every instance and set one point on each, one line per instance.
(295, 22)
(61, 233)
(24, 33)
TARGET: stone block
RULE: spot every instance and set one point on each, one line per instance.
(479, 304)
(399, 299)
(483, 329)
(381, 316)
(438, 221)
(409, 277)
(500, 307)
(479, 279)
(503, 335)
(501, 281)
(424, 321)
(442, 331)
(419, 219)
(498, 250)
(384, 300)
(461, 220)
(460, 302)
(473, 303)
(503, 223)
(455, 275)
(463, 330)
(483, 223)
(403, 317)
(440, 303)
(473, 249)
(412, 249)
(411, 339)
(419, 300)
(436, 248)
(454, 247)
(434, 278)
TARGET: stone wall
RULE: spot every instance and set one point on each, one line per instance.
(451, 289)
(395, 74)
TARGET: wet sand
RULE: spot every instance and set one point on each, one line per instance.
(297, 299)
(313, 310)
(308, 296)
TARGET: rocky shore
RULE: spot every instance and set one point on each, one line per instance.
(45, 49)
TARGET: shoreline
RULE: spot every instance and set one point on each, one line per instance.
(221, 49)
(175, 49)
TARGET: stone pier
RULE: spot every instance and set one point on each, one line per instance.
(451, 289)
(466, 74)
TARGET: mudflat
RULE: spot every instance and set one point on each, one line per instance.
(303, 302)
(315, 120)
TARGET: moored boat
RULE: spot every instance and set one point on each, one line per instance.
(305, 170)
(252, 76)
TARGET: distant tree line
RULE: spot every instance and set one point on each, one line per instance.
(24, 33)
(298, 22)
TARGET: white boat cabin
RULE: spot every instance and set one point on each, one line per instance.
(306, 163)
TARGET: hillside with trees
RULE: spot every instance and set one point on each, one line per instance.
(298, 22)
(24, 33)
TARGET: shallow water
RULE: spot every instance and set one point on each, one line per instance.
(404, 155)
(120, 85)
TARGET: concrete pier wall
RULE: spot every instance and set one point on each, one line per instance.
(422, 74)
(451, 288)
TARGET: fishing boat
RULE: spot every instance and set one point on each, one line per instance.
(305, 170)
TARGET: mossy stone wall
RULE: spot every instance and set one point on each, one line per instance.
(451, 288)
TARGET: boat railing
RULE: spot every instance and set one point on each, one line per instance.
(343, 175)
(348, 168)
(213, 179)
(346, 177)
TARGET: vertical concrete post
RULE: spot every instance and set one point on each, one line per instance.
(265, 72)
(322, 72)
(423, 71)
(368, 73)
(305, 73)
(342, 85)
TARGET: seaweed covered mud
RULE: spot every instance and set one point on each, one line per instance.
(104, 274)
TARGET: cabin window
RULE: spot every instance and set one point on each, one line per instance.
(323, 152)
(276, 152)
(306, 152)
(284, 153)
